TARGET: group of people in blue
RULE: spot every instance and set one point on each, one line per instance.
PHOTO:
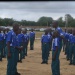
(14, 46)
(55, 40)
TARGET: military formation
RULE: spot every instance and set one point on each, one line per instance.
(14, 46)
(55, 41)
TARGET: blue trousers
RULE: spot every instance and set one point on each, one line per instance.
(16, 58)
(23, 52)
(60, 46)
(67, 50)
(31, 43)
(4, 51)
(45, 51)
(1, 50)
(72, 53)
(20, 52)
(11, 62)
(55, 64)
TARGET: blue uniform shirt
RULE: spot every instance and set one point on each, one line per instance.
(45, 39)
(55, 43)
(72, 38)
(60, 32)
(5, 35)
(25, 38)
(50, 36)
(32, 35)
(12, 38)
(66, 35)
(1, 37)
(20, 37)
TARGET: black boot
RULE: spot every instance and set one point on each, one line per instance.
(17, 73)
(70, 63)
(43, 62)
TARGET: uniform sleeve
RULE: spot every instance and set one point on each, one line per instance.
(9, 36)
(60, 31)
(56, 42)
(49, 38)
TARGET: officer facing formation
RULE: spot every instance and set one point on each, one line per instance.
(32, 39)
(45, 42)
(55, 25)
(55, 54)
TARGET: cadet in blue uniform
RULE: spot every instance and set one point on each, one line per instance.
(5, 36)
(21, 43)
(67, 50)
(25, 44)
(45, 42)
(1, 45)
(64, 42)
(32, 39)
(66, 36)
(12, 47)
(55, 54)
(55, 25)
(50, 33)
(72, 48)
(27, 41)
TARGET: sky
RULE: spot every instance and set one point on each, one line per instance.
(32, 11)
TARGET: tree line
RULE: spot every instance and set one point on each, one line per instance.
(42, 21)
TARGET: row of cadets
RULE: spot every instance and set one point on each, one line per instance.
(32, 39)
(67, 40)
(12, 50)
(72, 48)
(45, 42)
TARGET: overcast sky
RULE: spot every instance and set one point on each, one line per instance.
(34, 10)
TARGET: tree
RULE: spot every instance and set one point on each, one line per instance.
(45, 21)
(61, 22)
